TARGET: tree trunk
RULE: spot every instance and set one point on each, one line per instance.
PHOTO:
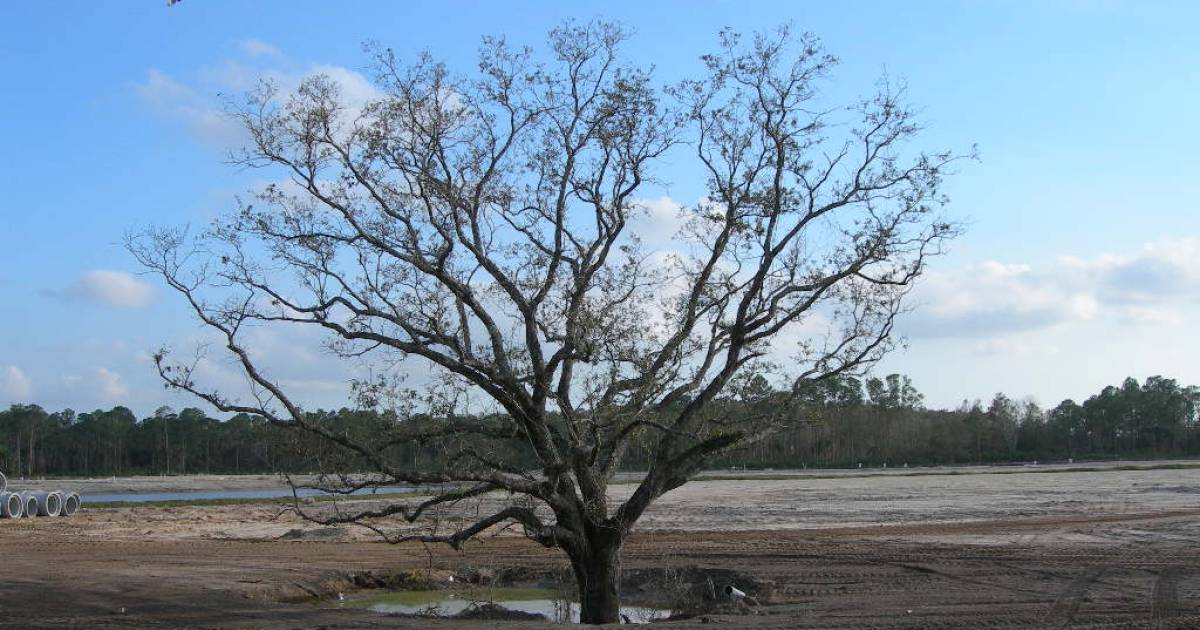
(598, 574)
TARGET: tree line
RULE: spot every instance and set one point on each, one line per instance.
(34, 442)
(846, 422)
(837, 422)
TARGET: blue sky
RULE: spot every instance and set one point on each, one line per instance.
(1081, 264)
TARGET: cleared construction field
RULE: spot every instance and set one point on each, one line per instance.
(1114, 546)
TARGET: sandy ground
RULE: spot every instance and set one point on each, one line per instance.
(1108, 548)
(807, 501)
(146, 485)
(856, 501)
(213, 483)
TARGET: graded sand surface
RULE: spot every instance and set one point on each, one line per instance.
(217, 483)
(155, 484)
(998, 547)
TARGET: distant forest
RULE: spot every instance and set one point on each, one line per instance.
(841, 422)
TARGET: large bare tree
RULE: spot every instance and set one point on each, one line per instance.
(477, 229)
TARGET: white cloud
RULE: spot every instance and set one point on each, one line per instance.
(357, 90)
(992, 298)
(292, 348)
(292, 356)
(118, 289)
(1017, 346)
(202, 114)
(162, 91)
(110, 385)
(15, 386)
(1163, 269)
(100, 385)
(199, 105)
(254, 48)
(1151, 316)
(659, 222)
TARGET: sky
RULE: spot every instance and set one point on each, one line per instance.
(1080, 265)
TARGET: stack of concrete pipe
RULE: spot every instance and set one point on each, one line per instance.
(36, 502)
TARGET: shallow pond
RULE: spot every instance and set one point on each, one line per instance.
(529, 600)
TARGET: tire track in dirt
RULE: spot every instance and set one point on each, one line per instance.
(965, 579)
(1063, 611)
(1165, 603)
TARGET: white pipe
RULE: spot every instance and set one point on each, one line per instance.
(49, 503)
(11, 505)
(70, 503)
(734, 593)
(3, 483)
(54, 497)
(31, 504)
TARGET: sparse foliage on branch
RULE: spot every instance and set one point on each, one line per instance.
(477, 229)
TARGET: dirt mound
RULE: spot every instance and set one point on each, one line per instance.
(495, 612)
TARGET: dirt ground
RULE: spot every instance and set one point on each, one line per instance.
(215, 483)
(993, 548)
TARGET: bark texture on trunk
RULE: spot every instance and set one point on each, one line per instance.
(598, 574)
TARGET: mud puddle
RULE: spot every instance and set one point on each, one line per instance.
(492, 603)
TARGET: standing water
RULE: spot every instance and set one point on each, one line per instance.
(536, 601)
